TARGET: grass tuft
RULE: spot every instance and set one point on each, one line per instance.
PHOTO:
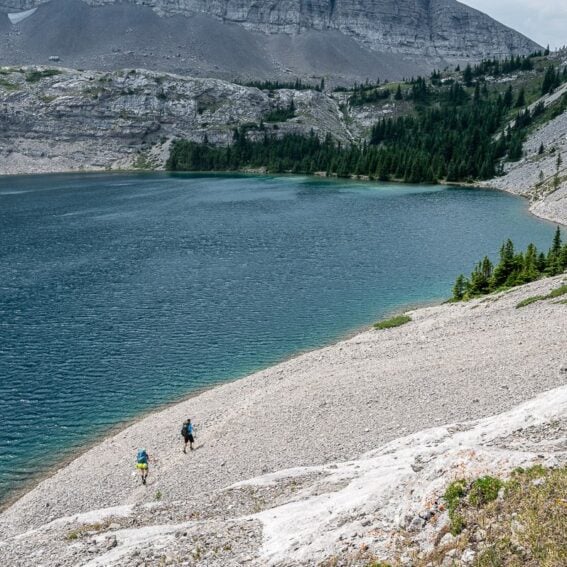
(530, 300)
(526, 526)
(397, 321)
(559, 292)
(484, 490)
(35, 76)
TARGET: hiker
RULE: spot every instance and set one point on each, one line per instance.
(142, 464)
(187, 432)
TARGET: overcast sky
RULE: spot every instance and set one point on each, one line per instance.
(544, 21)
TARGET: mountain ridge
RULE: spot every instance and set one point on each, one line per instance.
(232, 38)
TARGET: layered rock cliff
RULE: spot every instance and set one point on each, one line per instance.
(59, 119)
(345, 38)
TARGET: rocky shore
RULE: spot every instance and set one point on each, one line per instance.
(541, 177)
(347, 448)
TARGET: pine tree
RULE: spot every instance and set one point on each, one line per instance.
(530, 270)
(554, 260)
(460, 288)
(468, 76)
(505, 267)
(508, 97)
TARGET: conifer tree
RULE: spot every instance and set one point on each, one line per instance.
(460, 288)
(521, 100)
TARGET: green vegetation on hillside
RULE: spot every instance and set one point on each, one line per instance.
(37, 75)
(280, 114)
(397, 321)
(519, 522)
(459, 127)
(559, 292)
(297, 85)
(513, 269)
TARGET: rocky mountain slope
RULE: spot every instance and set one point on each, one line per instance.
(341, 39)
(341, 454)
(58, 119)
(542, 177)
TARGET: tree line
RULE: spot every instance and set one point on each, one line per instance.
(455, 134)
(513, 269)
(297, 85)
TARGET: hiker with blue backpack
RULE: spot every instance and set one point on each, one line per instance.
(142, 460)
(187, 432)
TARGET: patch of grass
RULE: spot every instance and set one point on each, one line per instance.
(7, 85)
(158, 495)
(397, 321)
(559, 292)
(88, 529)
(525, 527)
(454, 493)
(35, 76)
(484, 490)
(530, 300)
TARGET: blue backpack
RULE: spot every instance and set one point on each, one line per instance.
(142, 457)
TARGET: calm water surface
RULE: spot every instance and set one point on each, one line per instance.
(121, 292)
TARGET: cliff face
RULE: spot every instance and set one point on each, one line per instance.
(440, 27)
(58, 119)
(435, 27)
(425, 28)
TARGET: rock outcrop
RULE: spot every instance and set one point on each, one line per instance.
(541, 175)
(58, 119)
(337, 38)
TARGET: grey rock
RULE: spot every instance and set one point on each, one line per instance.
(468, 556)
(94, 120)
(447, 539)
(228, 38)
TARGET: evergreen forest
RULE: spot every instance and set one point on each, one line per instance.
(514, 268)
(459, 128)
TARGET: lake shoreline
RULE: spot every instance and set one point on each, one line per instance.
(72, 454)
(536, 208)
(314, 387)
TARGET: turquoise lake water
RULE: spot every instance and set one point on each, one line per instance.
(119, 293)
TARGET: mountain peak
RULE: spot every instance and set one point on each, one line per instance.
(347, 39)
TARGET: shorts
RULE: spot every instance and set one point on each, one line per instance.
(189, 438)
(142, 466)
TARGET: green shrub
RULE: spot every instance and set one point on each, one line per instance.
(35, 76)
(484, 490)
(457, 524)
(453, 496)
(455, 491)
(397, 321)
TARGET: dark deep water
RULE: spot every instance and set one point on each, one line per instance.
(122, 292)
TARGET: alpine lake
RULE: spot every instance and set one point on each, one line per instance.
(120, 293)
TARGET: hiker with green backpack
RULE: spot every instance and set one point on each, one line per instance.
(142, 461)
(187, 433)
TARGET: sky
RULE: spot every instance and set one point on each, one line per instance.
(544, 21)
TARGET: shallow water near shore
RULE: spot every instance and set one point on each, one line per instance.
(119, 293)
